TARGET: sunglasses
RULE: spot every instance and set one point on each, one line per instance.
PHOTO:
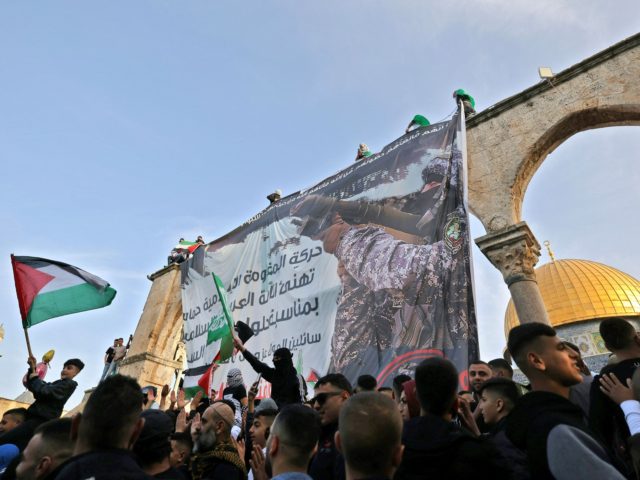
(322, 398)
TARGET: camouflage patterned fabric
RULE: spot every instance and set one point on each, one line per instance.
(417, 277)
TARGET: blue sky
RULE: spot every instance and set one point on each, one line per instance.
(126, 125)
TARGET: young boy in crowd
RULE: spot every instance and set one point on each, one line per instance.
(498, 397)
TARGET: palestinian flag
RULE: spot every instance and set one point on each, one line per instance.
(204, 382)
(189, 246)
(48, 289)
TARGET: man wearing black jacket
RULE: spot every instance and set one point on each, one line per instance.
(498, 397)
(606, 418)
(331, 393)
(50, 398)
(434, 447)
(105, 432)
(546, 413)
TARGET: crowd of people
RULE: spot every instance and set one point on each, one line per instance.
(564, 423)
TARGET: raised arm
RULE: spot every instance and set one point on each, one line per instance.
(260, 367)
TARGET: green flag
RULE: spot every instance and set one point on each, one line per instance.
(221, 326)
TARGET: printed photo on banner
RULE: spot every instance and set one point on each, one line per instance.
(366, 272)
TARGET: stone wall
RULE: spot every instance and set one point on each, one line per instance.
(152, 356)
(8, 404)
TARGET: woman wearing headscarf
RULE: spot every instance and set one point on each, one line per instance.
(285, 385)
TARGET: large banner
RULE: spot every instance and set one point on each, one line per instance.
(368, 271)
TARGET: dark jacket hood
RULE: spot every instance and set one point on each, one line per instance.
(435, 448)
(541, 407)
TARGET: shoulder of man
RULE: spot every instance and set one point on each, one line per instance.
(107, 465)
(223, 470)
(482, 455)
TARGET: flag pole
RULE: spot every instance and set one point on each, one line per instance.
(26, 336)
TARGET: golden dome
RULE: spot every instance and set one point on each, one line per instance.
(575, 290)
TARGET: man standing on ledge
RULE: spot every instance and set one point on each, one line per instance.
(50, 400)
(285, 386)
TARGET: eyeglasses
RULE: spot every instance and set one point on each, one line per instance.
(322, 398)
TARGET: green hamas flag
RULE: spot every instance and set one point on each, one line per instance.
(221, 325)
(218, 328)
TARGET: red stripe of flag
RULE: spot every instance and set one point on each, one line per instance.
(29, 281)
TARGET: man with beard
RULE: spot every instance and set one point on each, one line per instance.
(216, 457)
(285, 385)
(479, 373)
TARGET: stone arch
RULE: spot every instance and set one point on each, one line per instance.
(508, 141)
(571, 124)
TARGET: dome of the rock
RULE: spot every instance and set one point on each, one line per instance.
(578, 294)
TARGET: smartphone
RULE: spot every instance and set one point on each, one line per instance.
(257, 383)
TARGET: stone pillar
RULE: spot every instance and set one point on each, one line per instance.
(151, 360)
(515, 251)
